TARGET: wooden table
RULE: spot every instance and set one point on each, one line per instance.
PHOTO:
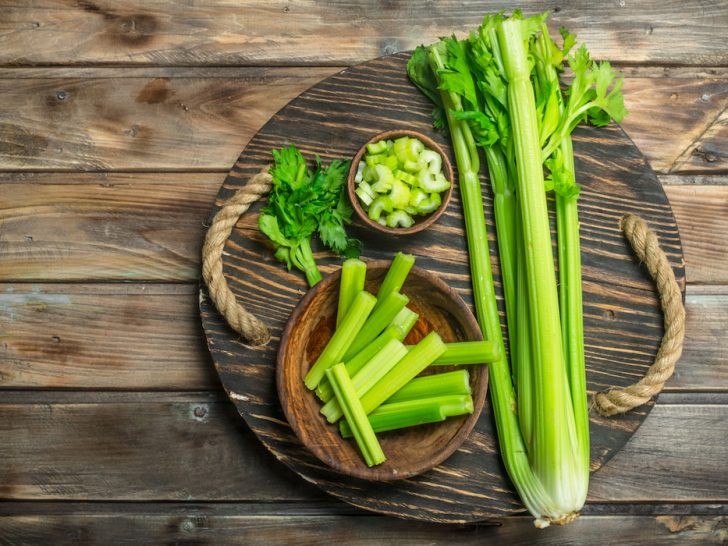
(119, 121)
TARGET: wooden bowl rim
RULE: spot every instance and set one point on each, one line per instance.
(426, 221)
(470, 326)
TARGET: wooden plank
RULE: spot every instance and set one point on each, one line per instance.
(271, 525)
(108, 119)
(702, 217)
(140, 336)
(149, 226)
(192, 447)
(247, 32)
(135, 336)
(708, 152)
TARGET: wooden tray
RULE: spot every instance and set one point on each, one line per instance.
(622, 318)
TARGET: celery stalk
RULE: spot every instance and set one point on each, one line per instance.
(405, 320)
(353, 275)
(395, 277)
(355, 415)
(467, 352)
(410, 413)
(429, 386)
(406, 369)
(368, 376)
(380, 317)
(340, 342)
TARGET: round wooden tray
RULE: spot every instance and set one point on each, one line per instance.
(622, 318)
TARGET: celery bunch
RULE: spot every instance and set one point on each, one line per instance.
(499, 91)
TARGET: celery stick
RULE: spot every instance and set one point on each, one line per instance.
(395, 277)
(353, 274)
(467, 352)
(414, 412)
(368, 376)
(428, 386)
(340, 342)
(380, 317)
(405, 320)
(406, 369)
(355, 415)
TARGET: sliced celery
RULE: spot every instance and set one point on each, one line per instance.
(432, 183)
(400, 194)
(427, 386)
(416, 360)
(353, 275)
(368, 376)
(355, 416)
(414, 412)
(378, 320)
(344, 335)
(377, 147)
(379, 205)
(400, 218)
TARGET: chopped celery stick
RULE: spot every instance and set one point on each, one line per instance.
(391, 162)
(417, 197)
(378, 320)
(369, 174)
(392, 416)
(413, 166)
(400, 148)
(355, 416)
(344, 335)
(379, 205)
(427, 386)
(400, 218)
(432, 182)
(410, 210)
(433, 160)
(353, 274)
(406, 177)
(468, 352)
(416, 360)
(359, 173)
(353, 365)
(413, 149)
(431, 203)
(366, 188)
(396, 275)
(400, 194)
(382, 220)
(377, 147)
(405, 320)
(368, 376)
(374, 160)
(363, 196)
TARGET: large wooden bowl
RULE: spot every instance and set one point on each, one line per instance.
(409, 451)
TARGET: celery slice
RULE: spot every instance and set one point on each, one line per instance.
(377, 147)
(414, 412)
(400, 218)
(353, 275)
(400, 194)
(379, 205)
(355, 416)
(344, 335)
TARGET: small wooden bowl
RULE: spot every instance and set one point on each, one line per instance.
(409, 451)
(421, 222)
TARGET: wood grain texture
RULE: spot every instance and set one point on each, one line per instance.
(623, 324)
(248, 32)
(103, 118)
(285, 525)
(141, 336)
(709, 152)
(149, 226)
(191, 447)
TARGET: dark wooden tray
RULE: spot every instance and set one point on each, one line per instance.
(622, 318)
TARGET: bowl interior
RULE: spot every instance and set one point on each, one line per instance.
(409, 451)
(421, 222)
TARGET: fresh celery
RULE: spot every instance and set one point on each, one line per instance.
(405, 320)
(428, 386)
(396, 275)
(406, 369)
(380, 317)
(353, 274)
(467, 352)
(340, 342)
(355, 415)
(368, 376)
(397, 415)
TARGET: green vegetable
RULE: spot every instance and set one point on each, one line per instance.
(467, 352)
(392, 416)
(368, 376)
(416, 360)
(340, 342)
(353, 274)
(428, 386)
(303, 202)
(355, 416)
(378, 320)
(396, 275)
(405, 320)
(499, 90)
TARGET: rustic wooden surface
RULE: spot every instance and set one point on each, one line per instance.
(109, 394)
(622, 323)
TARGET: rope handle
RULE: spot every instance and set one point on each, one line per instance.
(610, 402)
